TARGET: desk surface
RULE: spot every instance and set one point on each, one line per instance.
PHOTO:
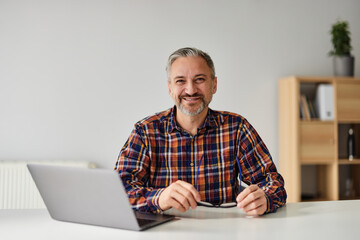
(309, 220)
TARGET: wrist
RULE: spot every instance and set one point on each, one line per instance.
(159, 201)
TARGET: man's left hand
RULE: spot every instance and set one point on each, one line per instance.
(252, 201)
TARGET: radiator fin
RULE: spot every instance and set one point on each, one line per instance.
(17, 188)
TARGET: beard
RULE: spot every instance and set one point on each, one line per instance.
(195, 112)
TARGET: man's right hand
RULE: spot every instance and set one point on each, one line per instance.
(179, 195)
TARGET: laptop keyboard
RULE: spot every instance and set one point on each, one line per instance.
(143, 222)
(149, 219)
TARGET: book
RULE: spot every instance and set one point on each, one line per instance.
(302, 114)
(305, 107)
(312, 109)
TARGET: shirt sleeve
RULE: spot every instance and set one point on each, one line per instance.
(258, 167)
(133, 167)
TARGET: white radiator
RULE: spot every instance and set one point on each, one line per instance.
(17, 188)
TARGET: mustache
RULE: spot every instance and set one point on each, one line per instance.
(194, 95)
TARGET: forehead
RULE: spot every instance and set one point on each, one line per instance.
(189, 66)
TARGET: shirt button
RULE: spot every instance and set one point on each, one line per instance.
(191, 164)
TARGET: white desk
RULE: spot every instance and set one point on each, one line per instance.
(311, 220)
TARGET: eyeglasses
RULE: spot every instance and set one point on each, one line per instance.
(222, 205)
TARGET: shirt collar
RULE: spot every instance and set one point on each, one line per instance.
(213, 120)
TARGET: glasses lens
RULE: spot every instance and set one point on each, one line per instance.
(228, 205)
(223, 205)
(205, 204)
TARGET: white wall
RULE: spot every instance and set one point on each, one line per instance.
(76, 75)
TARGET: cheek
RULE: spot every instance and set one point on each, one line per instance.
(174, 92)
(173, 95)
(209, 90)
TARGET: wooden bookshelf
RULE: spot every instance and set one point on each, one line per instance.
(320, 145)
(355, 161)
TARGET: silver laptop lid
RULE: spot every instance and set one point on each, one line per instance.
(90, 196)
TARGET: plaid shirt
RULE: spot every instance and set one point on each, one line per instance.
(159, 152)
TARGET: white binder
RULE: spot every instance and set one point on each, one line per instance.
(324, 101)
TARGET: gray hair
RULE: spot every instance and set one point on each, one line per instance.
(190, 52)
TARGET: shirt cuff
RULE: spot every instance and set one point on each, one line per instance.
(269, 204)
(155, 200)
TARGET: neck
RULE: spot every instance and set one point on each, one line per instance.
(191, 123)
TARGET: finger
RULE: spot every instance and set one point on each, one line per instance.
(246, 192)
(253, 196)
(180, 199)
(189, 194)
(175, 204)
(191, 188)
(255, 204)
(260, 210)
(242, 195)
(187, 198)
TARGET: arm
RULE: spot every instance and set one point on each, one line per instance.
(133, 165)
(267, 191)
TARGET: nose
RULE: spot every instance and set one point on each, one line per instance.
(190, 88)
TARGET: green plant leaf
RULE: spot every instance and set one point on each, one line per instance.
(340, 38)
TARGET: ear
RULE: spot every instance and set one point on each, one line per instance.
(214, 85)
(169, 87)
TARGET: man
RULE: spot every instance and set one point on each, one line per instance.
(191, 154)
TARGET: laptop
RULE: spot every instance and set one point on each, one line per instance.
(90, 196)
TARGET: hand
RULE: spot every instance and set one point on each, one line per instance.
(252, 201)
(179, 195)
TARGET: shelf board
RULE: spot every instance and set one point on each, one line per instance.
(345, 161)
(316, 120)
(339, 121)
(351, 121)
(316, 161)
(314, 199)
(349, 198)
(319, 79)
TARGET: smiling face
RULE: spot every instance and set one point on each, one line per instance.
(191, 85)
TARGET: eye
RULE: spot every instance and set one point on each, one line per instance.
(179, 81)
(200, 79)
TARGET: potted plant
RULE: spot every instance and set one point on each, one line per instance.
(343, 62)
